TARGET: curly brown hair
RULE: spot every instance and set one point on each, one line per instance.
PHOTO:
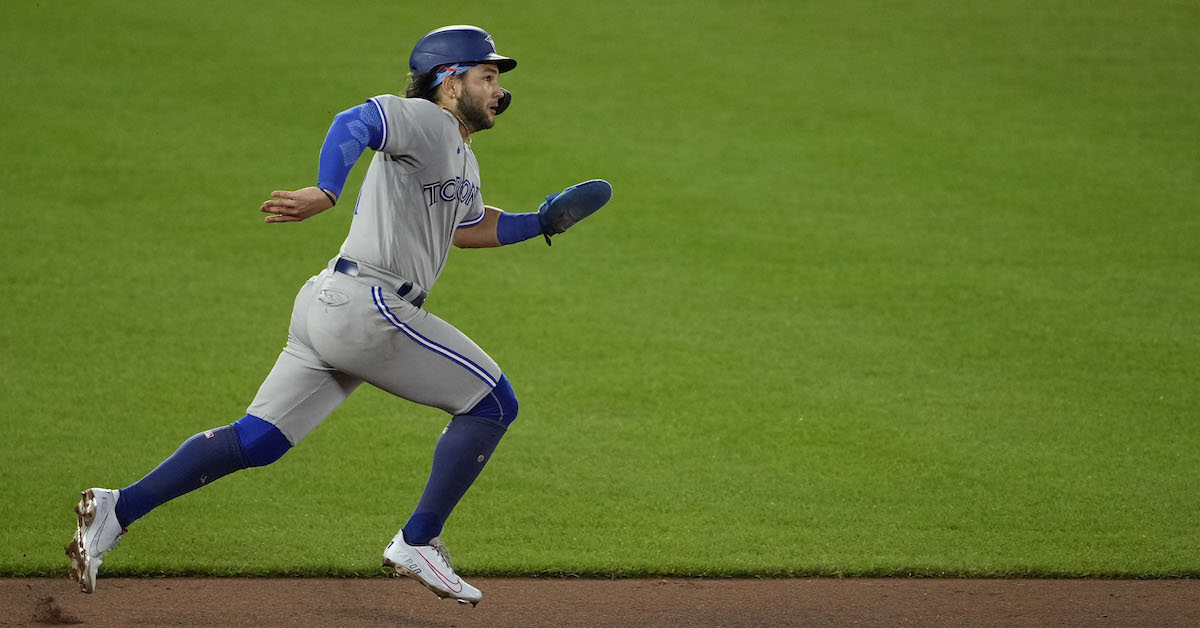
(421, 86)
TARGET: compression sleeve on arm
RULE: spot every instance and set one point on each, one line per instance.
(352, 132)
(513, 228)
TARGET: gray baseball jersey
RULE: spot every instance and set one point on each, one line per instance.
(352, 328)
(421, 186)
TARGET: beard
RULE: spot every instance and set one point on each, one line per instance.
(474, 113)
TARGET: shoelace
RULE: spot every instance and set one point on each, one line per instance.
(440, 548)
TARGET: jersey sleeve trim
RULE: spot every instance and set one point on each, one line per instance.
(382, 116)
(471, 222)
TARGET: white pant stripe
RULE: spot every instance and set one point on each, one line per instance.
(377, 293)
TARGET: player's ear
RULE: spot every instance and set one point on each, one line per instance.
(452, 87)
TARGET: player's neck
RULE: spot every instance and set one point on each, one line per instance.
(463, 128)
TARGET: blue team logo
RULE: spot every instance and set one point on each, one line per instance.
(458, 188)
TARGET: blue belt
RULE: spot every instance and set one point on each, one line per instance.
(407, 290)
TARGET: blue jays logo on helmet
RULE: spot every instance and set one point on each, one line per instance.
(456, 44)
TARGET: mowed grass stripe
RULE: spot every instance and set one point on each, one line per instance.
(883, 290)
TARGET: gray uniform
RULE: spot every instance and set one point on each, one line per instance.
(361, 327)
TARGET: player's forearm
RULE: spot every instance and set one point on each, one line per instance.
(481, 235)
(352, 132)
(498, 228)
(513, 228)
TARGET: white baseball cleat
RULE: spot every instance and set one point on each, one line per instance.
(98, 533)
(429, 565)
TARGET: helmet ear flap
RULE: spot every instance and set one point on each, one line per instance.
(505, 101)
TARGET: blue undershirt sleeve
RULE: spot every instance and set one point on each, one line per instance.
(353, 131)
(512, 228)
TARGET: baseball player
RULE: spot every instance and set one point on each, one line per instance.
(361, 319)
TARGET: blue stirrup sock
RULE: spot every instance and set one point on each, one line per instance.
(461, 453)
(200, 460)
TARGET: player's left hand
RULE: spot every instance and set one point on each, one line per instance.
(564, 209)
(296, 205)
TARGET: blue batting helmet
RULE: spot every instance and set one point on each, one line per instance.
(456, 44)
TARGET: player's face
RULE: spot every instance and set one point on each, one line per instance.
(480, 96)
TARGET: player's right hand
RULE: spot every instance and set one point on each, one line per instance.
(296, 205)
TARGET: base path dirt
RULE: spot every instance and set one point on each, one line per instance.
(690, 603)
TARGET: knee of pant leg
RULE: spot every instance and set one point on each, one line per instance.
(499, 404)
(262, 443)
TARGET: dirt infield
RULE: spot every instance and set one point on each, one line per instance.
(575, 602)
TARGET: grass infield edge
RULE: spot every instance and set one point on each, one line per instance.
(899, 573)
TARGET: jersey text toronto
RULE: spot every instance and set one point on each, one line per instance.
(448, 190)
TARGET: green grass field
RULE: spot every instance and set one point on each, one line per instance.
(885, 288)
